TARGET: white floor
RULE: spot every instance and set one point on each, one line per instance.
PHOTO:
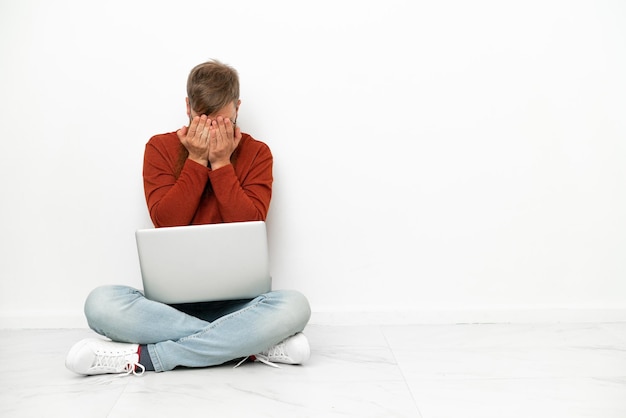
(429, 371)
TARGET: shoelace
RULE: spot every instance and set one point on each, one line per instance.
(278, 351)
(258, 357)
(118, 362)
(264, 360)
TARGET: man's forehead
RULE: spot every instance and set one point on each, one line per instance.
(227, 111)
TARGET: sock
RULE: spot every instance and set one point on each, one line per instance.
(144, 358)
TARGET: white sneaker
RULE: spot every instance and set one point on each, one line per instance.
(293, 350)
(96, 356)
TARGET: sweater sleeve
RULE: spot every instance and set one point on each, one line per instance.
(244, 195)
(172, 201)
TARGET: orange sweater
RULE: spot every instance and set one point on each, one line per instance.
(233, 193)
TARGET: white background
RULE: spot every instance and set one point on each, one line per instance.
(430, 156)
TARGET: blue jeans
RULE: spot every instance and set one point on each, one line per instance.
(196, 334)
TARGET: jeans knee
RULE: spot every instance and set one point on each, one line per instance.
(95, 306)
(102, 303)
(298, 306)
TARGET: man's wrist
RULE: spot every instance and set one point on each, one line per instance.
(219, 164)
(200, 161)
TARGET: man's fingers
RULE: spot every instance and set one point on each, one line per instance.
(193, 126)
(199, 126)
(182, 133)
(224, 127)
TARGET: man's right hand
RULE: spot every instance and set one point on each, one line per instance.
(195, 139)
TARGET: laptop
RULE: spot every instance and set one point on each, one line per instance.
(204, 263)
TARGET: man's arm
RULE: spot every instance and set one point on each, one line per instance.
(172, 201)
(244, 194)
(236, 193)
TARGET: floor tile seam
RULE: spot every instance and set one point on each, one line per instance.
(510, 348)
(397, 365)
(128, 382)
(64, 385)
(468, 376)
(518, 378)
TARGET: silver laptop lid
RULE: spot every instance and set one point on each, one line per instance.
(203, 263)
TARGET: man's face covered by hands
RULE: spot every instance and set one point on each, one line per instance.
(211, 139)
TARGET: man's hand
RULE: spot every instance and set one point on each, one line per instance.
(210, 141)
(195, 139)
(223, 140)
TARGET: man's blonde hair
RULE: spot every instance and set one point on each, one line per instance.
(211, 86)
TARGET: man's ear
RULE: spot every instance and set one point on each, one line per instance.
(188, 107)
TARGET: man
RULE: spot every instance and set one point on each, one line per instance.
(207, 172)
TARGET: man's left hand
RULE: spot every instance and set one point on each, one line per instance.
(223, 140)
